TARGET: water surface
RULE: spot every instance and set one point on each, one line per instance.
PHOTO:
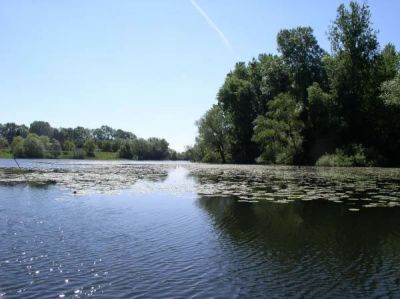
(155, 230)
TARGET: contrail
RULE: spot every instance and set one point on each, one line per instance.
(212, 25)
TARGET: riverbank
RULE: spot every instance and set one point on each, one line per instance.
(6, 154)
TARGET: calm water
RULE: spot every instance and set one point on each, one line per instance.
(147, 230)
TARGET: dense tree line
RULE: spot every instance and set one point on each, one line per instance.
(41, 140)
(306, 105)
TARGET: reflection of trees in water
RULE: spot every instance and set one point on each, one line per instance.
(350, 246)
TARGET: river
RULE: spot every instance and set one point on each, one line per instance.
(74, 229)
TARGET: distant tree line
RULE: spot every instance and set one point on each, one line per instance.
(308, 106)
(41, 140)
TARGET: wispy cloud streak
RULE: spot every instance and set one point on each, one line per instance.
(213, 26)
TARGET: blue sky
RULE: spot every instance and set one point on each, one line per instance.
(152, 67)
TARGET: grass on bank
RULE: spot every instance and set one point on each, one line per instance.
(97, 156)
(5, 153)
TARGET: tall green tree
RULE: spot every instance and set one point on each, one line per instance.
(355, 49)
(214, 132)
(239, 101)
(279, 132)
(11, 130)
(69, 146)
(274, 78)
(302, 54)
(33, 147)
(41, 128)
(90, 147)
(104, 133)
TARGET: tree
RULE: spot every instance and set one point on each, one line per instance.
(90, 147)
(389, 63)
(45, 141)
(355, 48)
(80, 136)
(238, 100)
(33, 147)
(11, 130)
(3, 142)
(41, 128)
(17, 147)
(390, 92)
(214, 132)
(54, 148)
(140, 149)
(104, 133)
(65, 134)
(116, 144)
(275, 79)
(279, 132)
(105, 145)
(124, 134)
(157, 149)
(302, 54)
(69, 146)
(126, 150)
(324, 123)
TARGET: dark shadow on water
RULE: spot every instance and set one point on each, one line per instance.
(314, 242)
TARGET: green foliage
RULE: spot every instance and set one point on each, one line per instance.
(17, 147)
(390, 92)
(79, 154)
(104, 133)
(356, 157)
(11, 130)
(32, 147)
(274, 79)
(339, 159)
(105, 145)
(54, 149)
(3, 143)
(142, 149)
(72, 140)
(69, 146)
(389, 62)
(355, 48)
(157, 149)
(126, 150)
(106, 156)
(5, 153)
(41, 128)
(279, 132)
(305, 102)
(238, 99)
(302, 54)
(80, 136)
(90, 147)
(214, 134)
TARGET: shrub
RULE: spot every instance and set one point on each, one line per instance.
(69, 146)
(126, 151)
(338, 159)
(78, 154)
(17, 147)
(90, 147)
(3, 143)
(33, 147)
(356, 156)
(54, 148)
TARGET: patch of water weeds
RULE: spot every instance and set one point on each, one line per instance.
(356, 187)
